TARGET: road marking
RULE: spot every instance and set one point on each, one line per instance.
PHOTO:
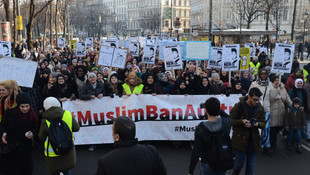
(305, 147)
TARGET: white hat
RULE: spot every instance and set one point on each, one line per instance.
(50, 102)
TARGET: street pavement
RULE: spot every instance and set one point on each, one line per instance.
(176, 160)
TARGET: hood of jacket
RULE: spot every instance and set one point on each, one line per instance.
(220, 126)
(53, 113)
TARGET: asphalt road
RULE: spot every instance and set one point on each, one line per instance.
(177, 160)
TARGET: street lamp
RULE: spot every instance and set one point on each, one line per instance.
(305, 16)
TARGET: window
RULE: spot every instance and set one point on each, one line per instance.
(179, 2)
(167, 23)
(184, 24)
(185, 13)
(285, 15)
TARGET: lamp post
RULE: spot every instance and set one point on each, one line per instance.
(305, 16)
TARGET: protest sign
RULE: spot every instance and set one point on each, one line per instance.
(252, 48)
(230, 58)
(245, 58)
(216, 57)
(157, 118)
(119, 58)
(61, 42)
(5, 48)
(283, 58)
(22, 71)
(173, 57)
(80, 49)
(134, 48)
(106, 56)
(173, 39)
(73, 44)
(263, 49)
(164, 43)
(197, 50)
(149, 54)
(89, 42)
(109, 43)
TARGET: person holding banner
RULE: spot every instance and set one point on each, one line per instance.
(163, 86)
(133, 85)
(217, 86)
(114, 86)
(93, 88)
(149, 84)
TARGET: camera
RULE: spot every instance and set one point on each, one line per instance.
(253, 122)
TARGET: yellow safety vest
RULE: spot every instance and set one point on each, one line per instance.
(67, 117)
(305, 73)
(256, 67)
(138, 89)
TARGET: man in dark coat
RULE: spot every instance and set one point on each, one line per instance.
(129, 157)
(248, 116)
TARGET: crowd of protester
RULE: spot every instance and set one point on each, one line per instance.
(62, 75)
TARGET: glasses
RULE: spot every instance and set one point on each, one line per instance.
(255, 99)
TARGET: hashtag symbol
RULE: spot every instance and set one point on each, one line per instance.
(176, 129)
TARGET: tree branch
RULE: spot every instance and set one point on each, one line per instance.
(38, 12)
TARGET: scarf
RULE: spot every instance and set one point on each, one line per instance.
(261, 82)
(31, 115)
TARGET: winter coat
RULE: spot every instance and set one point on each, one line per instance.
(202, 140)
(241, 134)
(20, 160)
(129, 157)
(217, 88)
(294, 120)
(109, 90)
(279, 98)
(301, 94)
(62, 162)
(264, 100)
(88, 90)
(290, 82)
(307, 89)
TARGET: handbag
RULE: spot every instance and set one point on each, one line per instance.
(6, 149)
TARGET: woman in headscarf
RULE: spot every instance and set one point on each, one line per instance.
(245, 80)
(236, 89)
(80, 79)
(114, 86)
(182, 89)
(163, 86)
(149, 84)
(133, 85)
(205, 87)
(264, 85)
(63, 90)
(18, 128)
(48, 91)
(8, 93)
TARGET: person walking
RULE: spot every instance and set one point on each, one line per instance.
(218, 124)
(57, 163)
(248, 115)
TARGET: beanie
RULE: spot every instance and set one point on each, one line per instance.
(92, 74)
(23, 98)
(50, 102)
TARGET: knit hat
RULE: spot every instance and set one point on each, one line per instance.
(74, 61)
(23, 98)
(296, 100)
(91, 74)
(50, 102)
(95, 68)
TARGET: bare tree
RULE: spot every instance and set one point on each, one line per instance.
(45, 28)
(7, 9)
(251, 10)
(294, 19)
(32, 16)
(277, 13)
(63, 15)
(56, 22)
(51, 24)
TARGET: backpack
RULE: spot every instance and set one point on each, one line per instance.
(219, 152)
(60, 137)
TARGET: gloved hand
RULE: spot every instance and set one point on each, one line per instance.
(120, 95)
(112, 95)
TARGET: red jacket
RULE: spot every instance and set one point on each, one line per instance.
(290, 83)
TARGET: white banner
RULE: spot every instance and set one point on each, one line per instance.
(158, 117)
(252, 47)
(80, 49)
(22, 71)
(197, 50)
(61, 42)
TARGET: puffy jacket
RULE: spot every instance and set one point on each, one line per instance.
(88, 90)
(279, 98)
(294, 120)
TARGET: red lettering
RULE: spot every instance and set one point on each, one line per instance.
(200, 115)
(136, 114)
(190, 112)
(96, 119)
(151, 112)
(85, 119)
(165, 113)
(230, 108)
(123, 112)
(118, 111)
(179, 111)
(223, 107)
(110, 117)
